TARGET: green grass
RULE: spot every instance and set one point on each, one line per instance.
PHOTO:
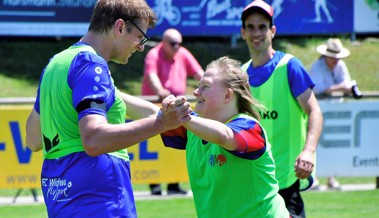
(173, 208)
(12, 87)
(362, 63)
(186, 185)
(318, 205)
(342, 204)
(334, 204)
(23, 211)
(21, 66)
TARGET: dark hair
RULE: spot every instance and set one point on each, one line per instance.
(106, 12)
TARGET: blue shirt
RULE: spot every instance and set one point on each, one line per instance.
(298, 78)
(87, 83)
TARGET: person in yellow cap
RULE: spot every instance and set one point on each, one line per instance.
(293, 119)
(330, 72)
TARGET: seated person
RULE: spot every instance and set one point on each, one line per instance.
(330, 72)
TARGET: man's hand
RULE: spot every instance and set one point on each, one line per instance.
(175, 111)
(304, 164)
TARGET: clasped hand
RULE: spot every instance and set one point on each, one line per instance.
(174, 112)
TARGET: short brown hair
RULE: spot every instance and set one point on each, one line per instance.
(106, 12)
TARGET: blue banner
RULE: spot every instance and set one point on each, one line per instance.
(313, 16)
(190, 17)
(49, 11)
(222, 17)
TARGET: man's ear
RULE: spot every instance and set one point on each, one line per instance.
(273, 30)
(119, 26)
(242, 33)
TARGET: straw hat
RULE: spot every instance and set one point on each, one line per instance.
(333, 48)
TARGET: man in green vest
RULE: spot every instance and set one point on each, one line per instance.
(78, 119)
(293, 119)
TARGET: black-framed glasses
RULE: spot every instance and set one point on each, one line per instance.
(146, 38)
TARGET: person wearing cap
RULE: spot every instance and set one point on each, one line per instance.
(331, 75)
(293, 119)
(330, 72)
(166, 69)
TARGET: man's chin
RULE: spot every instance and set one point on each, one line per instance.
(118, 61)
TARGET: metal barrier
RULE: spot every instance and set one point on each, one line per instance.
(155, 98)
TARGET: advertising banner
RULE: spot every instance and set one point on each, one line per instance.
(348, 147)
(151, 162)
(45, 17)
(366, 16)
(349, 142)
(223, 17)
(19, 166)
(191, 18)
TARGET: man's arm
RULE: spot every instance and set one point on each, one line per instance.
(99, 137)
(305, 161)
(156, 86)
(33, 131)
(344, 87)
(139, 108)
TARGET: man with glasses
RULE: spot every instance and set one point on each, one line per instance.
(145, 37)
(78, 119)
(167, 67)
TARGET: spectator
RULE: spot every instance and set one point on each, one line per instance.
(229, 160)
(293, 119)
(167, 67)
(330, 72)
(78, 119)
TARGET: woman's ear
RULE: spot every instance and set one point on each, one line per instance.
(228, 95)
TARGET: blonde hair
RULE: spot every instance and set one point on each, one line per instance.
(237, 80)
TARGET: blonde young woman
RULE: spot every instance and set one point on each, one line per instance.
(229, 160)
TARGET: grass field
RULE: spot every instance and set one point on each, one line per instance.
(18, 81)
(318, 205)
(332, 204)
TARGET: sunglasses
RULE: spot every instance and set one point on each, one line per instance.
(146, 38)
(175, 44)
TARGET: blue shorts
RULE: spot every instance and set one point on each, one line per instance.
(79, 185)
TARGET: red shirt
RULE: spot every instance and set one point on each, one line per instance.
(172, 73)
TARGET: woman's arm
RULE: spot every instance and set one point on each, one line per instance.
(213, 131)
